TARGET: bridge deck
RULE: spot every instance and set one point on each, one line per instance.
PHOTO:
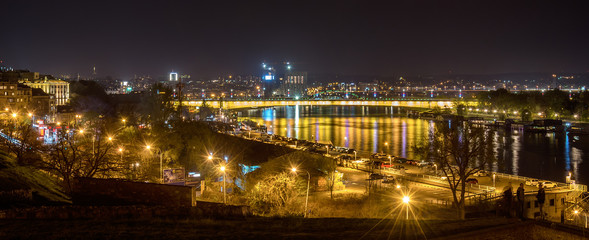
(416, 103)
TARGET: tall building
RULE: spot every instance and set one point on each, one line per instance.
(282, 81)
(173, 76)
(294, 85)
(269, 80)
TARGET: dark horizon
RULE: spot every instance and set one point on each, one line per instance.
(349, 38)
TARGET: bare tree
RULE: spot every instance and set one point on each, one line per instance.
(18, 137)
(84, 153)
(459, 150)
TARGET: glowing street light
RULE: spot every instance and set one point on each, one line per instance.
(14, 115)
(406, 201)
(222, 168)
(160, 153)
(121, 152)
(294, 170)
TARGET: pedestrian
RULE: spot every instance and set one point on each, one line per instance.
(520, 201)
(541, 196)
(508, 198)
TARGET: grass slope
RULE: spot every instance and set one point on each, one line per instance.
(15, 177)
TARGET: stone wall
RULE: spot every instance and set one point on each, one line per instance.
(16, 196)
(209, 210)
(116, 192)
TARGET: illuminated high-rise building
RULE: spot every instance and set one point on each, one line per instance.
(283, 81)
(174, 76)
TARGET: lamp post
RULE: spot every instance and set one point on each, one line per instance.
(386, 145)
(14, 119)
(406, 201)
(493, 180)
(294, 170)
(148, 147)
(121, 151)
(224, 189)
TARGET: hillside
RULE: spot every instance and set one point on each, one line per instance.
(16, 180)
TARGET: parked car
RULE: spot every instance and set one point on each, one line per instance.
(386, 164)
(411, 162)
(398, 167)
(472, 181)
(481, 173)
(424, 163)
(532, 182)
(548, 184)
(376, 176)
(389, 180)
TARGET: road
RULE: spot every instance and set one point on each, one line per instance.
(357, 181)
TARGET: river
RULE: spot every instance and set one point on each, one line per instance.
(380, 129)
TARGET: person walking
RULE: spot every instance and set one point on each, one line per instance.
(541, 197)
(520, 201)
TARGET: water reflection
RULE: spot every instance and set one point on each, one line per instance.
(366, 129)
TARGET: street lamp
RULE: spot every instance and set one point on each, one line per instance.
(436, 166)
(121, 151)
(224, 189)
(294, 170)
(493, 180)
(160, 153)
(406, 201)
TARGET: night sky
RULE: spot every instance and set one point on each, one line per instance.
(208, 38)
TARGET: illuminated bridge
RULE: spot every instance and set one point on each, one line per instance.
(254, 103)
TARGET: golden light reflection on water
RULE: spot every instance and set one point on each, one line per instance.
(365, 134)
(545, 156)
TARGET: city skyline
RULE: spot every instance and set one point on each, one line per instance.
(123, 39)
